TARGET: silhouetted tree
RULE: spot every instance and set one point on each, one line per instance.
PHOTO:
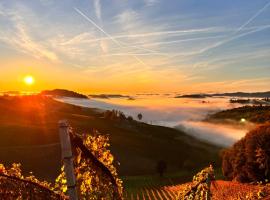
(161, 167)
(130, 118)
(139, 116)
(122, 116)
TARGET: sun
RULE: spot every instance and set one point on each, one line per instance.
(29, 80)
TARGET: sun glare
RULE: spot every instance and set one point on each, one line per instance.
(29, 80)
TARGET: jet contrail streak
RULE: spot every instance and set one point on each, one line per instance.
(151, 34)
(93, 23)
(108, 35)
(253, 17)
(223, 42)
(183, 40)
(166, 32)
(233, 37)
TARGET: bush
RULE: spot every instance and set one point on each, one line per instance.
(92, 182)
(248, 160)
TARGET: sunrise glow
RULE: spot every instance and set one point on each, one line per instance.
(29, 80)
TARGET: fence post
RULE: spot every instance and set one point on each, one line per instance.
(68, 159)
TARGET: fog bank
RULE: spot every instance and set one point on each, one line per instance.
(184, 114)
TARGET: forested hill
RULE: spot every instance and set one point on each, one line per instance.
(231, 94)
(63, 93)
(255, 114)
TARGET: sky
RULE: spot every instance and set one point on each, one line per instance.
(131, 46)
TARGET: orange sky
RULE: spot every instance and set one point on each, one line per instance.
(91, 47)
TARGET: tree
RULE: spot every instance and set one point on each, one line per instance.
(161, 167)
(248, 160)
(130, 118)
(140, 116)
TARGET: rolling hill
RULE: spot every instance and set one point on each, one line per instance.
(29, 135)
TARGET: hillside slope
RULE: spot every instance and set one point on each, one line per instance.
(33, 120)
(224, 190)
(255, 114)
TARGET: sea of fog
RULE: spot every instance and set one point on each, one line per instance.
(181, 113)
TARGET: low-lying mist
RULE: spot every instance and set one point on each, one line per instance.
(184, 114)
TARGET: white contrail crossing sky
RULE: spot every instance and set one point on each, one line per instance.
(253, 17)
(99, 28)
(120, 44)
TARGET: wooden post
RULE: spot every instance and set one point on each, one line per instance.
(68, 159)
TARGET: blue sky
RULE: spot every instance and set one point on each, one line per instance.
(138, 45)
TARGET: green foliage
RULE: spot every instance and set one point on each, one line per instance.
(91, 181)
(13, 185)
(200, 186)
(249, 159)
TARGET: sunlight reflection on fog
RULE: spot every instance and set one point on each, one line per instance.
(185, 114)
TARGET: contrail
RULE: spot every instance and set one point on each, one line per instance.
(92, 22)
(176, 32)
(233, 37)
(253, 17)
(155, 33)
(183, 40)
(108, 35)
(166, 32)
(223, 42)
(131, 54)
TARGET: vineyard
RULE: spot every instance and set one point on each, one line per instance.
(93, 176)
(13, 185)
(223, 190)
(152, 187)
(165, 193)
(199, 189)
(91, 171)
(87, 173)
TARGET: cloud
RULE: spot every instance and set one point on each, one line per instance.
(87, 38)
(79, 39)
(97, 6)
(102, 43)
(18, 37)
(151, 2)
(128, 19)
(251, 84)
(107, 34)
(24, 42)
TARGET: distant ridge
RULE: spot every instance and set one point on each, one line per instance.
(108, 96)
(196, 96)
(63, 93)
(245, 94)
(232, 94)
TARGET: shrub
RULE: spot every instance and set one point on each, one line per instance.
(248, 160)
(199, 188)
(92, 183)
